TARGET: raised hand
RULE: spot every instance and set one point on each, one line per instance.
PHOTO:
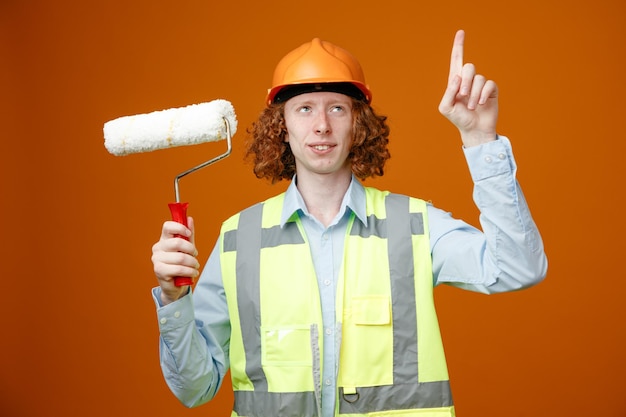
(470, 101)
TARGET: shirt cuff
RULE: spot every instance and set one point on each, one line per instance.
(490, 159)
(174, 315)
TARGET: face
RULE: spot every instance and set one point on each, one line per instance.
(319, 131)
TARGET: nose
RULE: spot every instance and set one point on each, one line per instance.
(322, 126)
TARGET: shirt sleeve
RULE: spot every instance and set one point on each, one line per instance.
(508, 253)
(194, 337)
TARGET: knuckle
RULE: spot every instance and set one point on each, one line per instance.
(157, 247)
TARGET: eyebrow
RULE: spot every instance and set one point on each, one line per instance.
(346, 102)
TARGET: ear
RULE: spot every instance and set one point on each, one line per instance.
(286, 139)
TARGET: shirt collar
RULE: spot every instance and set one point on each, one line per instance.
(353, 200)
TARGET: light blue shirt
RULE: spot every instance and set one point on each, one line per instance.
(507, 255)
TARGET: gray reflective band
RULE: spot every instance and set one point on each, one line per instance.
(283, 404)
(274, 236)
(397, 397)
(378, 227)
(403, 309)
(248, 292)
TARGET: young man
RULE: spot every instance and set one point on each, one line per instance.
(319, 300)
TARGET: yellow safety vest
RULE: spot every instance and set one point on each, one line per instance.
(391, 358)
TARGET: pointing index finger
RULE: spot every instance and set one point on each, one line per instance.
(456, 58)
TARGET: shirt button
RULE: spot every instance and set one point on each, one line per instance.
(177, 314)
(327, 382)
(502, 156)
(327, 282)
(163, 320)
(488, 159)
(329, 331)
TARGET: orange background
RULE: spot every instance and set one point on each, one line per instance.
(79, 334)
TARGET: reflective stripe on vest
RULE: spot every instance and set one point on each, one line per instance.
(406, 392)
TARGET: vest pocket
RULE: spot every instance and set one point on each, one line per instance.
(367, 342)
(371, 309)
(286, 345)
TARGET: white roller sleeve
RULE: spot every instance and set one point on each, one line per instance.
(190, 125)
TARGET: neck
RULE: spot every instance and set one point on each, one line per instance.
(323, 194)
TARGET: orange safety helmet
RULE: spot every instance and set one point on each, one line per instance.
(318, 66)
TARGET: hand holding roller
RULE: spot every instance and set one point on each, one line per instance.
(194, 124)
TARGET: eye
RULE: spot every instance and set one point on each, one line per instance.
(336, 109)
(304, 109)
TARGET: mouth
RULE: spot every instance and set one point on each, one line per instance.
(321, 148)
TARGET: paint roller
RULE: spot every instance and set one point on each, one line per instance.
(182, 126)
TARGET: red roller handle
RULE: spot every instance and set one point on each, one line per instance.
(179, 215)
